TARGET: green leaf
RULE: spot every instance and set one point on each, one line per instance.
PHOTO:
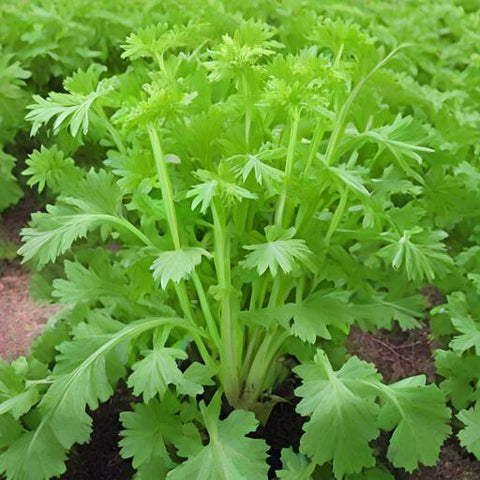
(470, 334)
(98, 192)
(85, 81)
(214, 185)
(95, 205)
(372, 474)
(48, 167)
(321, 310)
(262, 172)
(342, 411)
(461, 373)
(203, 195)
(10, 192)
(10, 430)
(146, 42)
(52, 233)
(80, 379)
(177, 265)
(421, 421)
(295, 466)
(470, 435)
(13, 95)
(281, 251)
(236, 55)
(135, 172)
(269, 317)
(350, 178)
(86, 284)
(229, 455)
(311, 317)
(155, 40)
(148, 430)
(15, 398)
(380, 311)
(34, 456)
(54, 333)
(72, 109)
(421, 253)
(393, 181)
(403, 138)
(195, 377)
(156, 371)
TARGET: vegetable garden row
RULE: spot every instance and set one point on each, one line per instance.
(224, 190)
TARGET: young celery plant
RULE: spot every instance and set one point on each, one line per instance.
(273, 341)
(271, 289)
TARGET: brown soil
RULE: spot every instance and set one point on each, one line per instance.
(15, 218)
(21, 320)
(454, 464)
(397, 355)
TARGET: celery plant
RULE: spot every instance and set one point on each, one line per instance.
(258, 201)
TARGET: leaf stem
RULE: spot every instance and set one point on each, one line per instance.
(276, 292)
(209, 319)
(248, 110)
(165, 185)
(182, 295)
(133, 229)
(317, 138)
(288, 167)
(167, 195)
(305, 213)
(252, 346)
(262, 365)
(117, 139)
(340, 122)
(337, 216)
(228, 323)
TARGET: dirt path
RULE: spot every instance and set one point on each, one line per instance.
(21, 319)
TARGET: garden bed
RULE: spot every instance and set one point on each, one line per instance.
(229, 211)
(396, 355)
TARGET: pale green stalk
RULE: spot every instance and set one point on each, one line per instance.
(167, 195)
(165, 186)
(117, 139)
(262, 363)
(315, 143)
(209, 318)
(341, 120)
(228, 323)
(288, 167)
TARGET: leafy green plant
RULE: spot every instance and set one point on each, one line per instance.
(12, 102)
(255, 191)
(42, 42)
(249, 216)
(10, 191)
(458, 321)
